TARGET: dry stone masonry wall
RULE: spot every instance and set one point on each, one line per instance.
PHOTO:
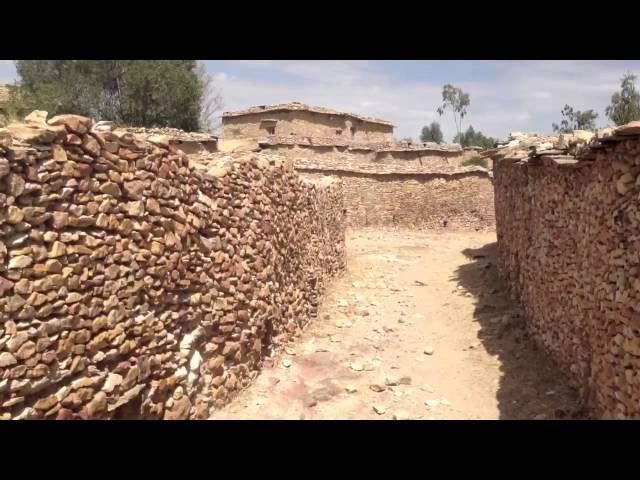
(459, 200)
(569, 240)
(411, 187)
(135, 283)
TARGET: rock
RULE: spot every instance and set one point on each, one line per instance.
(379, 409)
(113, 380)
(356, 366)
(631, 128)
(58, 249)
(5, 285)
(445, 402)
(31, 134)
(350, 389)
(428, 350)
(46, 403)
(5, 168)
(432, 403)
(27, 350)
(38, 117)
(112, 189)
(74, 123)
(21, 261)
(14, 303)
(91, 145)
(377, 388)
(179, 409)
(97, 405)
(6, 360)
(286, 363)
(17, 340)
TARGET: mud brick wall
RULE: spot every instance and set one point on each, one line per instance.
(135, 283)
(569, 245)
(454, 201)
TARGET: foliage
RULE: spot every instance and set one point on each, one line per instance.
(625, 105)
(13, 108)
(472, 138)
(575, 120)
(407, 140)
(431, 133)
(148, 93)
(457, 101)
(476, 161)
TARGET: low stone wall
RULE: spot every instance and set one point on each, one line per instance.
(339, 156)
(137, 284)
(456, 200)
(569, 242)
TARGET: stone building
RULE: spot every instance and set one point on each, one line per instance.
(305, 121)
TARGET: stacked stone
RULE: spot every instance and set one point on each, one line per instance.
(569, 237)
(135, 285)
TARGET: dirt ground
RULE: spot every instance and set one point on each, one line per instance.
(418, 327)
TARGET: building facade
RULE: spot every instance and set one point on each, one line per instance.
(297, 119)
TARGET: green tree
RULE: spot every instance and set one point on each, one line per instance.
(431, 133)
(575, 120)
(457, 101)
(471, 138)
(148, 93)
(625, 105)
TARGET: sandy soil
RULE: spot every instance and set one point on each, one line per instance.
(418, 327)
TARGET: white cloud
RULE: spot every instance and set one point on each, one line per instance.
(526, 96)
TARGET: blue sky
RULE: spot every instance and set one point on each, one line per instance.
(505, 95)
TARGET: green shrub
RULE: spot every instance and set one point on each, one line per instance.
(476, 161)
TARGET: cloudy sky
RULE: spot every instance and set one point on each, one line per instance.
(505, 95)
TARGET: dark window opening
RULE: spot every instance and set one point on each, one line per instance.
(271, 130)
(339, 131)
(353, 131)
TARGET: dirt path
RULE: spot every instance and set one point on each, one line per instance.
(418, 327)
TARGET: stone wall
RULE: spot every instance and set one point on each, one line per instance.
(339, 156)
(569, 242)
(411, 187)
(135, 283)
(305, 123)
(461, 200)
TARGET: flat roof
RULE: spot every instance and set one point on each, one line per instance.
(297, 106)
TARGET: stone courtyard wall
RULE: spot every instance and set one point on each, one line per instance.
(411, 188)
(569, 245)
(135, 283)
(457, 201)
